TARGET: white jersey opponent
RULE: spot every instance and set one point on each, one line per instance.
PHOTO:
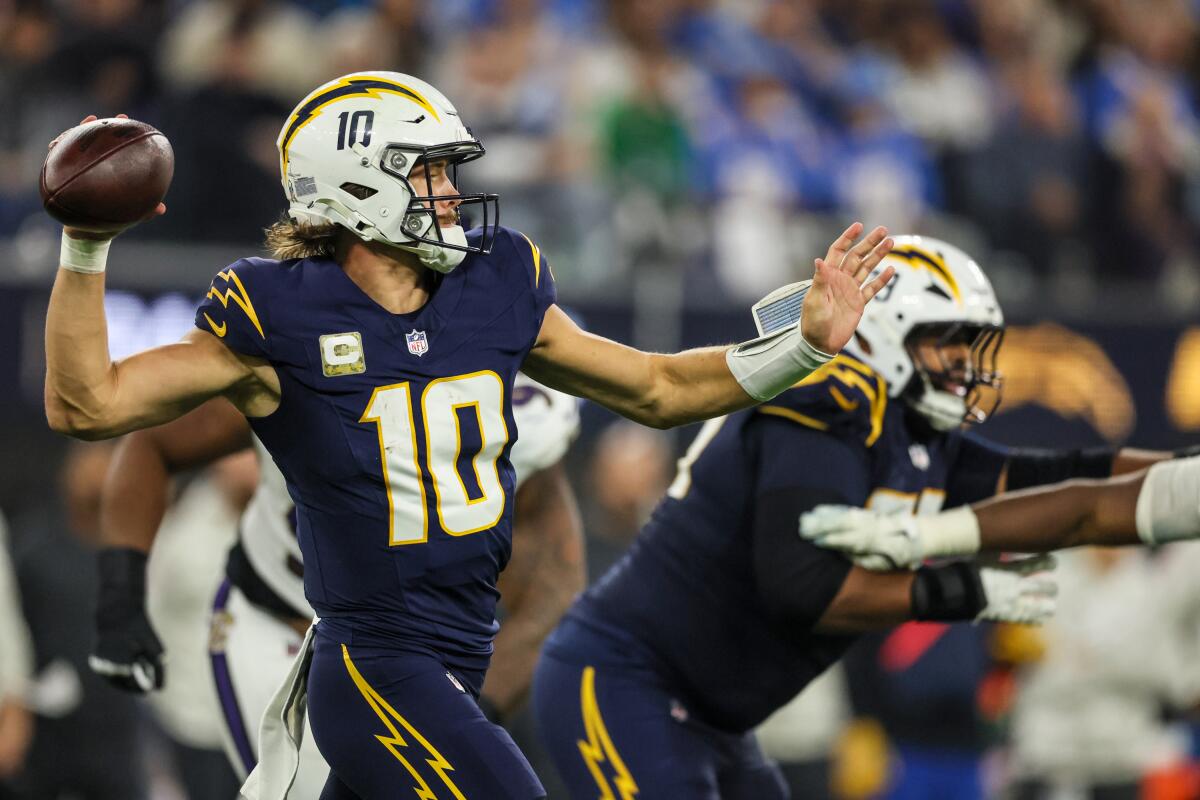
(260, 610)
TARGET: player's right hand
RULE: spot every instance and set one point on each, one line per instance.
(876, 541)
(128, 653)
(99, 236)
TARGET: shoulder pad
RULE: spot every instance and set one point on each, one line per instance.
(237, 306)
(844, 397)
(511, 244)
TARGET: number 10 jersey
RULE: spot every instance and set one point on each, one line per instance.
(393, 433)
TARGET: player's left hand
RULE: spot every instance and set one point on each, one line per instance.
(1020, 590)
(876, 541)
(839, 291)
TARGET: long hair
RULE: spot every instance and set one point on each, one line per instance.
(287, 239)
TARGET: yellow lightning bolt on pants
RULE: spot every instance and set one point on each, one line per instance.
(599, 748)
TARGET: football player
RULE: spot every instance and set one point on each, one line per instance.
(377, 369)
(720, 612)
(260, 615)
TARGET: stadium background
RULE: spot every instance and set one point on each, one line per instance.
(675, 159)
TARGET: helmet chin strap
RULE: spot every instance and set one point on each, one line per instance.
(438, 258)
(944, 411)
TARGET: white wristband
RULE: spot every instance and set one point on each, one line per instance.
(1168, 506)
(88, 256)
(950, 533)
(771, 364)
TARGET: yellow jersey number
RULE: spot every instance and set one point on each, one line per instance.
(445, 404)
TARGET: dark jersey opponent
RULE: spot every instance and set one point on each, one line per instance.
(393, 432)
(718, 595)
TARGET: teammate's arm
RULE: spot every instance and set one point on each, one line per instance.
(807, 588)
(667, 390)
(802, 586)
(136, 492)
(543, 575)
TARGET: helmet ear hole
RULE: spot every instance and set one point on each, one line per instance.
(358, 190)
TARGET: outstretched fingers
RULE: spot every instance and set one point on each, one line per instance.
(872, 288)
(841, 246)
(874, 247)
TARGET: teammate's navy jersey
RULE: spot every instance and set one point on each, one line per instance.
(393, 432)
(686, 598)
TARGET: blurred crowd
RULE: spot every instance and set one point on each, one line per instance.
(696, 134)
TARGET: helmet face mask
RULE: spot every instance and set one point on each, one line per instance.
(347, 156)
(421, 222)
(933, 333)
(964, 386)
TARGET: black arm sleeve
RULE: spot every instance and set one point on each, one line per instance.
(796, 579)
(1033, 467)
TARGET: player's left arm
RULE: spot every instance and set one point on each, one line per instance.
(663, 391)
(543, 575)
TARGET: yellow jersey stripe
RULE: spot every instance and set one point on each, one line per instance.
(537, 261)
(794, 416)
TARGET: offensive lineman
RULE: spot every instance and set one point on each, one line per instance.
(260, 614)
(720, 613)
(379, 377)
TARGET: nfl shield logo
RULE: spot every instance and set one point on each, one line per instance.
(418, 344)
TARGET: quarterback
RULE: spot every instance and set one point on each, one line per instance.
(378, 372)
(720, 612)
(260, 614)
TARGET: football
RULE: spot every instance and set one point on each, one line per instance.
(106, 174)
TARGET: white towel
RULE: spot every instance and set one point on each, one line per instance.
(281, 732)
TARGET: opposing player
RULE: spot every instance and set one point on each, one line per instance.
(1153, 506)
(379, 377)
(720, 613)
(259, 612)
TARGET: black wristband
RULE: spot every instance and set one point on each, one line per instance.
(122, 570)
(1186, 452)
(490, 710)
(949, 593)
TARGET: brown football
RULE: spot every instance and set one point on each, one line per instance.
(106, 174)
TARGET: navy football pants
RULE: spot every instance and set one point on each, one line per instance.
(395, 724)
(614, 732)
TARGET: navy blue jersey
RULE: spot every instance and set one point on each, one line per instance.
(687, 597)
(393, 432)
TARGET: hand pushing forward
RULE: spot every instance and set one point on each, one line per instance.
(840, 290)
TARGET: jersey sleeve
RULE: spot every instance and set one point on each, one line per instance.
(975, 469)
(236, 308)
(798, 469)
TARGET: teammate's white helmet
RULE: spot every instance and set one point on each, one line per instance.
(346, 151)
(938, 290)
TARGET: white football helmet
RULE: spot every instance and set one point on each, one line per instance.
(938, 291)
(346, 152)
